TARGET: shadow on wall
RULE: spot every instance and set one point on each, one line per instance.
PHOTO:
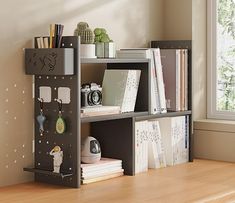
(20, 22)
(33, 17)
(134, 26)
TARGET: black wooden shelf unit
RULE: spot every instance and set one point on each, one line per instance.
(114, 132)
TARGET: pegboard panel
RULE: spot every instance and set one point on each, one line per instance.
(69, 141)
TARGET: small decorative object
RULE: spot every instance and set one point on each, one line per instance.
(105, 47)
(91, 152)
(91, 95)
(60, 122)
(41, 118)
(87, 40)
(58, 158)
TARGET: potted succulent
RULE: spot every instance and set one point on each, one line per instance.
(87, 40)
(104, 46)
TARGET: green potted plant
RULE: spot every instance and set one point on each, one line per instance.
(104, 46)
(87, 40)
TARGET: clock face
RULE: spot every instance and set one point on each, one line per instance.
(60, 125)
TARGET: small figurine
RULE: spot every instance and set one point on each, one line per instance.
(58, 158)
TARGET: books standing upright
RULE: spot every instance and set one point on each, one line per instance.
(175, 76)
(157, 89)
(120, 88)
(175, 135)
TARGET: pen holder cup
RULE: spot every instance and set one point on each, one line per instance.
(54, 61)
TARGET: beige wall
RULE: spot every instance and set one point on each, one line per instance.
(177, 19)
(129, 23)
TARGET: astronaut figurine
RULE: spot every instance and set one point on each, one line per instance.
(58, 158)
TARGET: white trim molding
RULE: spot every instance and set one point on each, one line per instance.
(212, 111)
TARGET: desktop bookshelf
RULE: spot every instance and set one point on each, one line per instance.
(114, 132)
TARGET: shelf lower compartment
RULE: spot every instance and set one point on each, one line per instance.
(39, 171)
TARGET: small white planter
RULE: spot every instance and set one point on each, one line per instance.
(109, 50)
(99, 49)
(87, 51)
(105, 50)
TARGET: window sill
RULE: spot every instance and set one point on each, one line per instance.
(215, 125)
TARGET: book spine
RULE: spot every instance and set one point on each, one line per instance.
(155, 100)
(177, 80)
(160, 82)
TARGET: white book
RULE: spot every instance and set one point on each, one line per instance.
(137, 146)
(153, 156)
(101, 168)
(99, 110)
(104, 162)
(168, 142)
(101, 173)
(178, 79)
(177, 134)
(106, 177)
(145, 146)
(41, 42)
(38, 42)
(120, 88)
(160, 81)
(159, 152)
(45, 42)
(159, 143)
(174, 139)
(154, 98)
(182, 140)
(133, 53)
(186, 79)
(141, 146)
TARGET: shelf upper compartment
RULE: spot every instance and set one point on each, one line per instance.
(113, 60)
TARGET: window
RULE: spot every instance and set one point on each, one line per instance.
(221, 59)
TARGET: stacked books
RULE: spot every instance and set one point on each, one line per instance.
(105, 169)
(133, 53)
(158, 100)
(99, 111)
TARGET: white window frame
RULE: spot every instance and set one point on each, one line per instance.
(212, 112)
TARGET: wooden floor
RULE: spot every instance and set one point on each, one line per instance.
(200, 181)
